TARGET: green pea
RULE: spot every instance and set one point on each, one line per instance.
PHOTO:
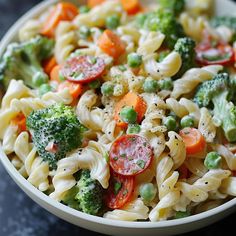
(122, 68)
(162, 55)
(152, 24)
(133, 129)
(44, 88)
(140, 19)
(212, 160)
(170, 123)
(84, 9)
(128, 114)
(95, 84)
(112, 22)
(134, 60)
(181, 214)
(166, 84)
(187, 121)
(150, 85)
(84, 32)
(173, 114)
(61, 77)
(148, 192)
(39, 78)
(107, 89)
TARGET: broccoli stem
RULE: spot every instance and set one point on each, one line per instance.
(223, 110)
(28, 72)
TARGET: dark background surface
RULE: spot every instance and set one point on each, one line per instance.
(19, 215)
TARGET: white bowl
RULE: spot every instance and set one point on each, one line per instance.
(99, 224)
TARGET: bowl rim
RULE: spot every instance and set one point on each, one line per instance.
(27, 187)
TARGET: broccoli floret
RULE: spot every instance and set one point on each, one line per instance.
(22, 61)
(218, 92)
(186, 48)
(70, 200)
(176, 6)
(86, 196)
(55, 131)
(165, 21)
(90, 194)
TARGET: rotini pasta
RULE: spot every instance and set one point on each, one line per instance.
(87, 158)
(30, 29)
(167, 68)
(65, 41)
(206, 125)
(192, 78)
(168, 195)
(177, 149)
(135, 210)
(198, 191)
(193, 27)
(97, 16)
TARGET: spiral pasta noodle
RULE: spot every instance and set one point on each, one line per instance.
(88, 158)
(168, 195)
(135, 210)
(97, 16)
(192, 78)
(65, 41)
(184, 107)
(206, 125)
(167, 68)
(30, 29)
(36, 170)
(177, 149)
(193, 27)
(149, 42)
(198, 191)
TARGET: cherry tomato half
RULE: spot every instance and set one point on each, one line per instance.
(83, 69)
(120, 190)
(130, 155)
(212, 52)
(221, 55)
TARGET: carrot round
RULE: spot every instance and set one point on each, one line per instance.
(55, 74)
(94, 3)
(20, 121)
(193, 139)
(49, 64)
(63, 11)
(131, 6)
(75, 89)
(132, 100)
(111, 44)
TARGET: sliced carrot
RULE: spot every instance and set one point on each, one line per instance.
(131, 6)
(111, 44)
(94, 3)
(132, 100)
(20, 121)
(55, 74)
(75, 89)
(63, 11)
(49, 64)
(193, 139)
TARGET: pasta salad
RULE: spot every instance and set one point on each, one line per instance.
(124, 110)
